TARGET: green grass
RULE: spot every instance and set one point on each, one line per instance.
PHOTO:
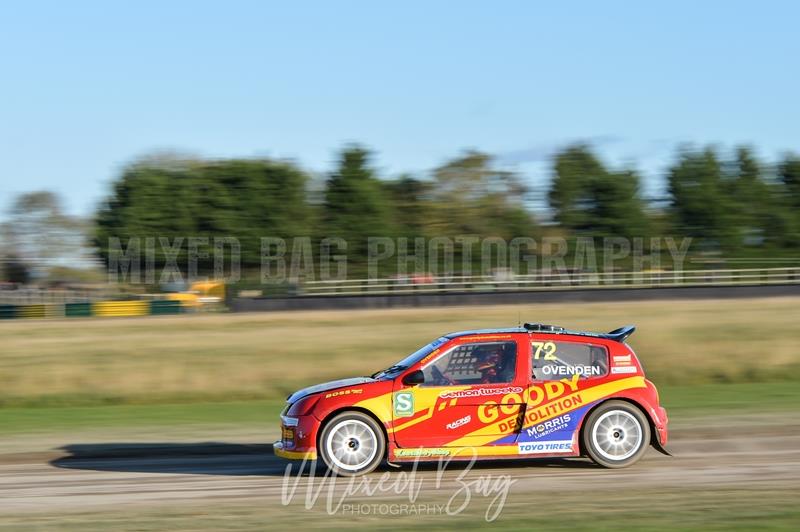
(50, 419)
(681, 402)
(207, 358)
(702, 399)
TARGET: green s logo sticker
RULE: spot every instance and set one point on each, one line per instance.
(403, 404)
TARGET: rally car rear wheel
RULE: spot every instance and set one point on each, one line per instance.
(351, 444)
(616, 434)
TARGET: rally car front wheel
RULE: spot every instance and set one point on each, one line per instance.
(616, 434)
(352, 444)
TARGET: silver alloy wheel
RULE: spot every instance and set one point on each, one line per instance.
(617, 435)
(351, 444)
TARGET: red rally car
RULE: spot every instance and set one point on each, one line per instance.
(527, 392)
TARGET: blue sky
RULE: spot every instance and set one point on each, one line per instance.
(87, 86)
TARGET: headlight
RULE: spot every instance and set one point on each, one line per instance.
(303, 406)
(289, 421)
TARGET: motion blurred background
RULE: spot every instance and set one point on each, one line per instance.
(146, 131)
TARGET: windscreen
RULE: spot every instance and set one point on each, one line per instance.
(422, 352)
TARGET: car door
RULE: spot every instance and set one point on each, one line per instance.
(472, 395)
(562, 370)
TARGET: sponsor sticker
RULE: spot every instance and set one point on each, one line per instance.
(477, 392)
(459, 422)
(585, 371)
(622, 359)
(623, 369)
(421, 452)
(485, 337)
(403, 404)
(549, 426)
(427, 358)
(337, 393)
(545, 447)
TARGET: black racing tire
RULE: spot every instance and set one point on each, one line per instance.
(616, 434)
(351, 444)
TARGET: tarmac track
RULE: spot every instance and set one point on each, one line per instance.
(115, 475)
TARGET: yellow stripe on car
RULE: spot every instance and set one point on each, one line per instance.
(295, 455)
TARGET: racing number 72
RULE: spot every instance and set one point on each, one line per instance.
(546, 348)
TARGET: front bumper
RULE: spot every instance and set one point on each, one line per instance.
(661, 425)
(298, 438)
(278, 449)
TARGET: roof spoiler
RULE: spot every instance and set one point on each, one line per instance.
(621, 334)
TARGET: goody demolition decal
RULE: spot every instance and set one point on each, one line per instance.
(544, 402)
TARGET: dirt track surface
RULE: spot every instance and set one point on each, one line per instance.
(97, 476)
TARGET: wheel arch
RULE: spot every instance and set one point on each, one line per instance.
(361, 410)
(653, 433)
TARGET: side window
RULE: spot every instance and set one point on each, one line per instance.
(552, 361)
(479, 363)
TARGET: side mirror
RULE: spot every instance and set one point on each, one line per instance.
(413, 378)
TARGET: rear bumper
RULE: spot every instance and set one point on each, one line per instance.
(278, 449)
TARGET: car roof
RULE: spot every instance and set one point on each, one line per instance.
(617, 335)
(473, 332)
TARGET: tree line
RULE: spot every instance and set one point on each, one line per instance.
(734, 207)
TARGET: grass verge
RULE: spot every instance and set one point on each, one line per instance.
(49, 419)
(205, 358)
(681, 402)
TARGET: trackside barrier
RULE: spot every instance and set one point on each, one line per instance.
(98, 308)
(40, 310)
(120, 308)
(77, 310)
(553, 281)
(164, 306)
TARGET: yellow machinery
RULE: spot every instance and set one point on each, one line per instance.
(201, 293)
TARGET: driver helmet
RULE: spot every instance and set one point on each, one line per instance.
(487, 364)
